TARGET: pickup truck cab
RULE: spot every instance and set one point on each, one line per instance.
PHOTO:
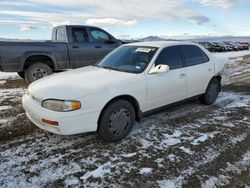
(71, 47)
(130, 81)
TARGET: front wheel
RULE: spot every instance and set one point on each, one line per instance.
(212, 92)
(116, 121)
(36, 72)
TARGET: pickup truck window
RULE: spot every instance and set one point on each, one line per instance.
(192, 55)
(171, 56)
(99, 36)
(60, 34)
(80, 35)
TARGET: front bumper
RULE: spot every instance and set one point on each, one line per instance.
(69, 122)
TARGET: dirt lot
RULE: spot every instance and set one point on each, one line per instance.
(189, 145)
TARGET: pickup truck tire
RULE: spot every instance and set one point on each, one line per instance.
(21, 74)
(212, 92)
(116, 121)
(36, 72)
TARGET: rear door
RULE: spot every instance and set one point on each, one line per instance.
(103, 42)
(166, 88)
(81, 51)
(199, 68)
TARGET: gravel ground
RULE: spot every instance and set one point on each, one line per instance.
(189, 145)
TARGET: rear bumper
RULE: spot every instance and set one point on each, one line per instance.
(69, 122)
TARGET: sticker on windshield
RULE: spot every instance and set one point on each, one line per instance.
(145, 50)
(138, 67)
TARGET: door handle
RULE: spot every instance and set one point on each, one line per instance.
(209, 70)
(98, 47)
(75, 46)
(182, 75)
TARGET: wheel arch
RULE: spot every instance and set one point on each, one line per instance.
(32, 58)
(132, 100)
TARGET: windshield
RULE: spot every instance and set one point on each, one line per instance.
(131, 59)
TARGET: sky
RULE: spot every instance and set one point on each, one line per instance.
(127, 19)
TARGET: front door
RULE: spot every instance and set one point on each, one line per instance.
(81, 51)
(170, 87)
(103, 43)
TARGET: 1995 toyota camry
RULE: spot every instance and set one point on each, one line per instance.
(133, 79)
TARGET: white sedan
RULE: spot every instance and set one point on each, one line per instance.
(133, 79)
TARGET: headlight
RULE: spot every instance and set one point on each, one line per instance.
(61, 105)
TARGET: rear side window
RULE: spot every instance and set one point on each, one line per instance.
(60, 34)
(170, 56)
(193, 55)
(80, 35)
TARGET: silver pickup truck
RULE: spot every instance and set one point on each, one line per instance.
(71, 47)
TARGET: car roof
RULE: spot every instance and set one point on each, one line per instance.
(161, 44)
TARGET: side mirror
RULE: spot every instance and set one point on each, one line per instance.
(159, 69)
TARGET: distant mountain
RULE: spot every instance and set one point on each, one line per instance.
(153, 38)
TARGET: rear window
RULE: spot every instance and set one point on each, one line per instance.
(193, 55)
(60, 34)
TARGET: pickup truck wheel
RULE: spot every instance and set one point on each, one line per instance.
(36, 72)
(116, 121)
(21, 74)
(212, 92)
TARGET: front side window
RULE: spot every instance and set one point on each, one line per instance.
(171, 56)
(99, 36)
(133, 59)
(192, 55)
(80, 35)
(60, 34)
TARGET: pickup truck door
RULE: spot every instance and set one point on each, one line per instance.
(102, 42)
(81, 51)
(170, 87)
(200, 70)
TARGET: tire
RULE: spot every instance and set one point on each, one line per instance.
(212, 92)
(36, 72)
(116, 121)
(21, 74)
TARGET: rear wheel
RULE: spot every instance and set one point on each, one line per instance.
(117, 121)
(212, 92)
(36, 72)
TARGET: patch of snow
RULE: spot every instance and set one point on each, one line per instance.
(3, 121)
(203, 138)
(167, 184)
(171, 140)
(128, 155)
(233, 55)
(145, 170)
(186, 150)
(2, 81)
(98, 172)
(2, 108)
(5, 75)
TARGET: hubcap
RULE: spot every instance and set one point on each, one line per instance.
(119, 121)
(39, 73)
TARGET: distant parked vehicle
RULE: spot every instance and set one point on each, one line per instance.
(132, 80)
(71, 47)
(245, 45)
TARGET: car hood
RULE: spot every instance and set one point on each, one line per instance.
(75, 83)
